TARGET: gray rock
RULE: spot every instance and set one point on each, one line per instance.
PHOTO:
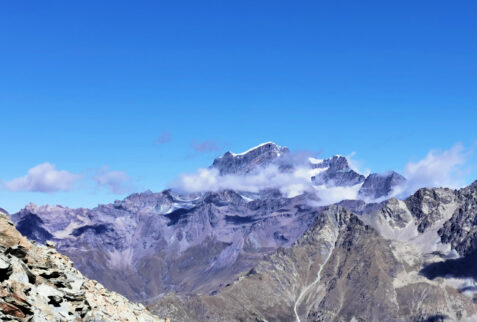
(50, 244)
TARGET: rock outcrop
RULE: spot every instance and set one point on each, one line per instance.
(461, 229)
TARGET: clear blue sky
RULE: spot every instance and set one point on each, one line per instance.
(95, 83)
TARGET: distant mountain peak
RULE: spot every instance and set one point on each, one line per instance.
(378, 185)
(263, 146)
(246, 162)
(338, 172)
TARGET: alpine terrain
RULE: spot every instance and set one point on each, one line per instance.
(269, 240)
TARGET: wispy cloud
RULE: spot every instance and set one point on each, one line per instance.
(117, 182)
(164, 138)
(44, 178)
(290, 183)
(357, 165)
(209, 179)
(437, 169)
(206, 146)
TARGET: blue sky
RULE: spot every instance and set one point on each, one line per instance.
(91, 87)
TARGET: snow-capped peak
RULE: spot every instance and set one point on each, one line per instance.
(256, 147)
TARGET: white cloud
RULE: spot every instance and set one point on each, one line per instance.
(357, 165)
(117, 182)
(44, 178)
(437, 169)
(289, 183)
(332, 194)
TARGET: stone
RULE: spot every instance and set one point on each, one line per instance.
(50, 244)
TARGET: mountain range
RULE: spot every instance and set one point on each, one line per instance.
(275, 243)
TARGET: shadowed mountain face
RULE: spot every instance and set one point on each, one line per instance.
(463, 267)
(32, 226)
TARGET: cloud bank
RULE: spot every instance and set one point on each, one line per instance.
(437, 169)
(44, 178)
(47, 179)
(289, 183)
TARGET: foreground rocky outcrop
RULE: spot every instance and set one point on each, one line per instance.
(39, 284)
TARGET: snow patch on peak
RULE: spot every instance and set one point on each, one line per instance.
(256, 147)
(315, 160)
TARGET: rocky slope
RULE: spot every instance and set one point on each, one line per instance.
(153, 243)
(39, 284)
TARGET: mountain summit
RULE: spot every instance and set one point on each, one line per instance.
(248, 161)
